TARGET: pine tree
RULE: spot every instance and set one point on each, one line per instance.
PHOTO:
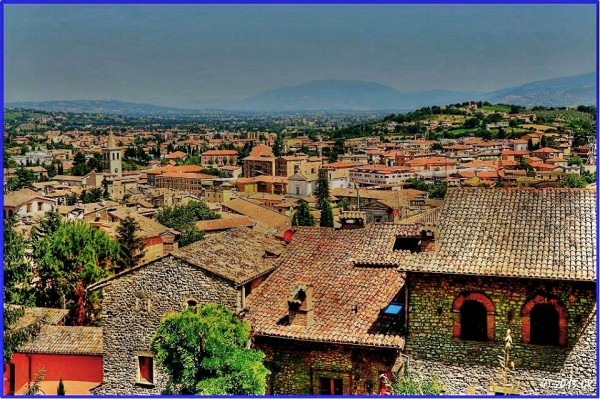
(303, 217)
(326, 215)
(132, 247)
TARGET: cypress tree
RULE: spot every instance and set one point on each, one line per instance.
(326, 215)
(303, 217)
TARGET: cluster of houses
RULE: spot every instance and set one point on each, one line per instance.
(334, 310)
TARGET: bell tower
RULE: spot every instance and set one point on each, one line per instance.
(112, 157)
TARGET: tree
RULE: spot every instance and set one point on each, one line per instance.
(105, 192)
(204, 351)
(51, 169)
(572, 180)
(471, 123)
(183, 218)
(575, 160)
(80, 167)
(60, 391)
(73, 257)
(302, 216)
(322, 192)
(34, 387)
(326, 215)
(132, 247)
(17, 271)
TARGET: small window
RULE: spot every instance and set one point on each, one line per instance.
(192, 303)
(40, 206)
(378, 219)
(145, 370)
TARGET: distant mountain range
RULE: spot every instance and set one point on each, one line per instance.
(343, 95)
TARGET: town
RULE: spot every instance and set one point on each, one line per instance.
(301, 253)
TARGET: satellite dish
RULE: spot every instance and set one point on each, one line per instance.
(287, 235)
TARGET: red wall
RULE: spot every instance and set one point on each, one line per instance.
(67, 367)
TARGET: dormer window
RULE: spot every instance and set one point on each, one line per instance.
(412, 244)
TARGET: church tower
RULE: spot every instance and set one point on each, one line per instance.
(112, 157)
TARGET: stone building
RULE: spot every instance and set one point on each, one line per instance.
(223, 268)
(328, 326)
(518, 259)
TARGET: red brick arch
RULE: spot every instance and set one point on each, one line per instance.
(562, 318)
(489, 307)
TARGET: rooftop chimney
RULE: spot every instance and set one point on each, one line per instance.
(300, 305)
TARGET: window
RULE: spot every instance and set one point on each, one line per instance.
(191, 303)
(474, 317)
(331, 386)
(544, 321)
(28, 206)
(145, 370)
(40, 206)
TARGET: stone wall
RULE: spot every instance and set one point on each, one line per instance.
(297, 367)
(460, 364)
(132, 308)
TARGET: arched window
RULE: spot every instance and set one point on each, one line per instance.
(544, 321)
(474, 317)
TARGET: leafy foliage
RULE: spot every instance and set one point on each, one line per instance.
(435, 190)
(73, 257)
(17, 271)
(572, 180)
(204, 352)
(413, 383)
(183, 218)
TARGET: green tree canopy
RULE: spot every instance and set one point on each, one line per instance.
(73, 257)
(204, 351)
(302, 216)
(183, 218)
(17, 271)
(572, 180)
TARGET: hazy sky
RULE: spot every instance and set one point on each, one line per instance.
(183, 55)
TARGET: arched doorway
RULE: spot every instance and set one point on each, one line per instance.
(544, 325)
(473, 321)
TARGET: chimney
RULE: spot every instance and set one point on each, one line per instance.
(300, 305)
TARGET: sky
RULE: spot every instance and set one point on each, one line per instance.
(192, 55)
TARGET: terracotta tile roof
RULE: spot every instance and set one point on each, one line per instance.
(238, 255)
(224, 224)
(172, 168)
(259, 213)
(261, 150)
(71, 340)
(148, 227)
(46, 315)
(219, 152)
(176, 155)
(378, 240)
(530, 233)
(18, 198)
(322, 258)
